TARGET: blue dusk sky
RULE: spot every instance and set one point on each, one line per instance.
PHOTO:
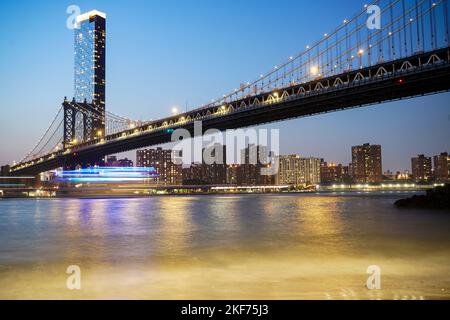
(169, 53)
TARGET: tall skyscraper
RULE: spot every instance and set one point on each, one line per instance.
(169, 173)
(90, 48)
(421, 168)
(366, 163)
(442, 167)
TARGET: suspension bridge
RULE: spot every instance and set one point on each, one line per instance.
(352, 66)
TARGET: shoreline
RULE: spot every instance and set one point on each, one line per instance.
(207, 194)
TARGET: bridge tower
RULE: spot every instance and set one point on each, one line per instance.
(82, 122)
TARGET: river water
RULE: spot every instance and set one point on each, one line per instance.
(222, 247)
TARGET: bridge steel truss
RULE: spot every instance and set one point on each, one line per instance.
(420, 74)
(92, 126)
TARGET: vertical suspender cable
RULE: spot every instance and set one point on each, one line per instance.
(431, 24)
(404, 28)
(445, 9)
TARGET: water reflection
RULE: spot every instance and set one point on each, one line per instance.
(219, 247)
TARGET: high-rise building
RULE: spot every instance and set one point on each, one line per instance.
(421, 168)
(169, 172)
(311, 169)
(90, 48)
(442, 167)
(253, 161)
(289, 171)
(89, 82)
(214, 169)
(295, 170)
(366, 163)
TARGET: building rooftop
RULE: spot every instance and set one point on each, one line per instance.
(90, 14)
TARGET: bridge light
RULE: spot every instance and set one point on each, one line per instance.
(314, 70)
(174, 110)
(361, 52)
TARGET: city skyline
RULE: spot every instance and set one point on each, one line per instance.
(324, 136)
(292, 170)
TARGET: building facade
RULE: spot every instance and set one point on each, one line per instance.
(212, 170)
(294, 170)
(333, 173)
(442, 167)
(112, 161)
(90, 49)
(169, 172)
(289, 171)
(87, 121)
(421, 168)
(254, 159)
(367, 163)
(233, 174)
(214, 166)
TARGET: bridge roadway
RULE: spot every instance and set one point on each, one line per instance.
(417, 75)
